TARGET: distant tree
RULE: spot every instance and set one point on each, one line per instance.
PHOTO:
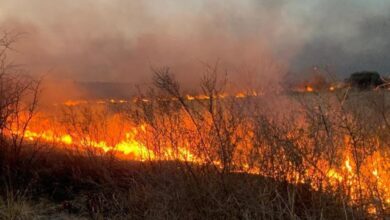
(365, 80)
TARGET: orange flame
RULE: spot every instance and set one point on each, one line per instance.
(309, 89)
(356, 183)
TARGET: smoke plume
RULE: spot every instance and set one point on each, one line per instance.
(255, 41)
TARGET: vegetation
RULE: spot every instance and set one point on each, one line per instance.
(307, 156)
(366, 80)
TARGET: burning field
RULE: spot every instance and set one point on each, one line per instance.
(309, 154)
(194, 109)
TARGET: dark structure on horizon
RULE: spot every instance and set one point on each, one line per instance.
(365, 80)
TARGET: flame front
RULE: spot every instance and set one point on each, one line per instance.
(368, 179)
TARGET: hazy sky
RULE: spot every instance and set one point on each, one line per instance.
(119, 40)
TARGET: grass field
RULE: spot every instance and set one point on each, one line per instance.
(317, 155)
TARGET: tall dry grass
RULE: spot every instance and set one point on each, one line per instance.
(257, 157)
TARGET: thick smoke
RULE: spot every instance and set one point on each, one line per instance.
(347, 35)
(119, 41)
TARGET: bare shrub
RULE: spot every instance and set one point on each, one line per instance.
(18, 99)
(322, 140)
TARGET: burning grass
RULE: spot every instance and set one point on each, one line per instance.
(57, 185)
(308, 155)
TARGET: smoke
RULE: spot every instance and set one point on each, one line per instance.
(347, 35)
(119, 41)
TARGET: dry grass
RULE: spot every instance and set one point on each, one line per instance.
(58, 186)
(47, 183)
(284, 139)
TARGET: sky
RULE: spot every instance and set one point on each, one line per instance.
(122, 40)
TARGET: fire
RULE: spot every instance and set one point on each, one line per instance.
(135, 142)
(188, 97)
(48, 136)
(75, 102)
(333, 174)
(309, 89)
(131, 147)
(128, 147)
(348, 165)
(240, 95)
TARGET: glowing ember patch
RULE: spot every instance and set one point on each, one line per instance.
(240, 95)
(309, 89)
(201, 97)
(190, 97)
(75, 102)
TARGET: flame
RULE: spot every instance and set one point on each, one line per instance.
(129, 147)
(73, 103)
(348, 165)
(240, 95)
(333, 174)
(370, 179)
(309, 89)
(190, 97)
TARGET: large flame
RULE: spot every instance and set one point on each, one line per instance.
(130, 141)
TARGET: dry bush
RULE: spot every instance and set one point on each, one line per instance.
(213, 157)
(204, 151)
(318, 134)
(18, 100)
